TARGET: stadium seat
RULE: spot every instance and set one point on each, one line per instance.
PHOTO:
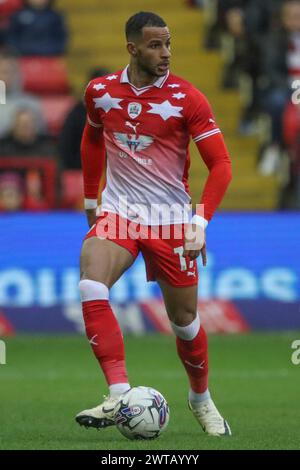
(72, 189)
(55, 110)
(44, 75)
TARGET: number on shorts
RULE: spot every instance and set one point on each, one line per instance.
(183, 266)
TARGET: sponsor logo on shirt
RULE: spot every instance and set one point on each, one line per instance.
(133, 142)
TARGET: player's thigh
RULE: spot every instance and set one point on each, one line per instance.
(180, 302)
(103, 260)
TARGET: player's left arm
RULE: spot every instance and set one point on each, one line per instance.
(210, 143)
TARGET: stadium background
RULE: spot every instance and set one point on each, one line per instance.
(250, 288)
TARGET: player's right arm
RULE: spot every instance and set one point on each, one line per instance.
(92, 156)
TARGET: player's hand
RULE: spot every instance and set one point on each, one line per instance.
(194, 242)
(91, 216)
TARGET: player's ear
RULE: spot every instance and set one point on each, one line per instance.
(131, 48)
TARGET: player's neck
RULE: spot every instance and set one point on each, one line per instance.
(139, 78)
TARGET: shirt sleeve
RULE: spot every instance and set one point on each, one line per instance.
(93, 160)
(93, 117)
(200, 119)
(210, 143)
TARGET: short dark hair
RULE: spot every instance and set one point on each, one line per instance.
(137, 22)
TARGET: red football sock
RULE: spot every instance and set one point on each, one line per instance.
(194, 356)
(106, 339)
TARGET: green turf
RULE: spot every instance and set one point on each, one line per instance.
(47, 380)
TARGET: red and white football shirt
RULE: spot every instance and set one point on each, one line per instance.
(147, 132)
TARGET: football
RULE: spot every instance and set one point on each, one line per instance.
(142, 413)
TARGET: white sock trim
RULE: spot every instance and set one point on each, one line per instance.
(198, 397)
(92, 290)
(189, 332)
(117, 389)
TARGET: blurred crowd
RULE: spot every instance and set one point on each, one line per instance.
(265, 50)
(260, 41)
(41, 122)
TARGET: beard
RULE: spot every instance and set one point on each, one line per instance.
(150, 70)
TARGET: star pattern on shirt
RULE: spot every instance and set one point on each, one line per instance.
(107, 102)
(112, 77)
(174, 85)
(165, 110)
(179, 96)
(99, 86)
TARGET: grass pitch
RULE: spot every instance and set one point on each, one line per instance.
(47, 380)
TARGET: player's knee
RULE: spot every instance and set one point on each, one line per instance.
(92, 290)
(184, 317)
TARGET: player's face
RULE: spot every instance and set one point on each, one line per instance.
(153, 51)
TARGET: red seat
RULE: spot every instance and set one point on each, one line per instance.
(7, 8)
(45, 167)
(72, 189)
(44, 75)
(55, 110)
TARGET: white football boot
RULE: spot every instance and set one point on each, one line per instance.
(99, 417)
(209, 418)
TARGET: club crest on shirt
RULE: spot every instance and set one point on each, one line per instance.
(134, 110)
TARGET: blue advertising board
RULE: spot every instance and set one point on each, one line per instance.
(253, 256)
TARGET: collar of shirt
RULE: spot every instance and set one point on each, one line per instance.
(158, 83)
